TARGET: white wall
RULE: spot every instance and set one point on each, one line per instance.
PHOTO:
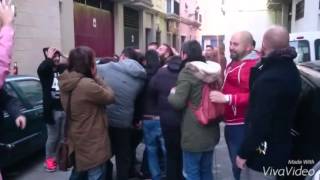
(67, 26)
(256, 20)
(310, 21)
(212, 18)
(118, 28)
(37, 25)
(253, 16)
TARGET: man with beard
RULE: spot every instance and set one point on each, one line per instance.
(235, 92)
(275, 86)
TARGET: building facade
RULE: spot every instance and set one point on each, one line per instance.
(190, 20)
(36, 28)
(222, 18)
(305, 15)
(107, 26)
(297, 15)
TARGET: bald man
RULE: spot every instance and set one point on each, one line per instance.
(235, 92)
(274, 90)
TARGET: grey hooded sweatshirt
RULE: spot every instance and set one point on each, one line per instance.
(126, 78)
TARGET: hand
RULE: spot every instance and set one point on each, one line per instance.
(138, 125)
(63, 59)
(6, 12)
(21, 122)
(50, 53)
(218, 97)
(173, 90)
(241, 163)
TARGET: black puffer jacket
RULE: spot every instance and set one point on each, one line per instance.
(160, 85)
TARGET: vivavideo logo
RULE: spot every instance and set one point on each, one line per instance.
(290, 171)
(294, 170)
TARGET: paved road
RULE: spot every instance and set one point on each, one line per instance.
(32, 168)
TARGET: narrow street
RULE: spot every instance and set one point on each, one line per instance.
(32, 168)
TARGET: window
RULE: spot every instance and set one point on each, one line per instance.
(317, 48)
(174, 41)
(102, 4)
(303, 50)
(31, 90)
(183, 39)
(169, 9)
(176, 8)
(12, 93)
(299, 10)
(158, 37)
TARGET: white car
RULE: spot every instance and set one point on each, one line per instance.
(307, 45)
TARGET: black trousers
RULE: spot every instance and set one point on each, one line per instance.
(122, 149)
(172, 138)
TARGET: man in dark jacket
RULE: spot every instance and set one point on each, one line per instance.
(170, 119)
(274, 90)
(48, 72)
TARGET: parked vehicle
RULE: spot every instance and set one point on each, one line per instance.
(307, 45)
(307, 123)
(16, 144)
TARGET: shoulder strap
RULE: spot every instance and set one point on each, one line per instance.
(68, 113)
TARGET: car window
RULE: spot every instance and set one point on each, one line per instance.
(12, 93)
(303, 50)
(31, 90)
(317, 48)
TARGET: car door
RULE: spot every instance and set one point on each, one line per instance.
(18, 143)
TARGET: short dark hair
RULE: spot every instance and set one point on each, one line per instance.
(152, 62)
(153, 44)
(140, 58)
(82, 60)
(192, 49)
(130, 53)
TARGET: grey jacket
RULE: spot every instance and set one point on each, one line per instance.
(126, 78)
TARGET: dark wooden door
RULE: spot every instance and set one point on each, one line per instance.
(94, 28)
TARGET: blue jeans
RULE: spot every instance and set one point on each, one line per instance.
(234, 135)
(197, 165)
(96, 173)
(153, 139)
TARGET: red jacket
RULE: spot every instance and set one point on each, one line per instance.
(236, 85)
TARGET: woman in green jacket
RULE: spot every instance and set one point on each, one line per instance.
(198, 141)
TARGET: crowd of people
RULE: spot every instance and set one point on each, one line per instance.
(101, 107)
